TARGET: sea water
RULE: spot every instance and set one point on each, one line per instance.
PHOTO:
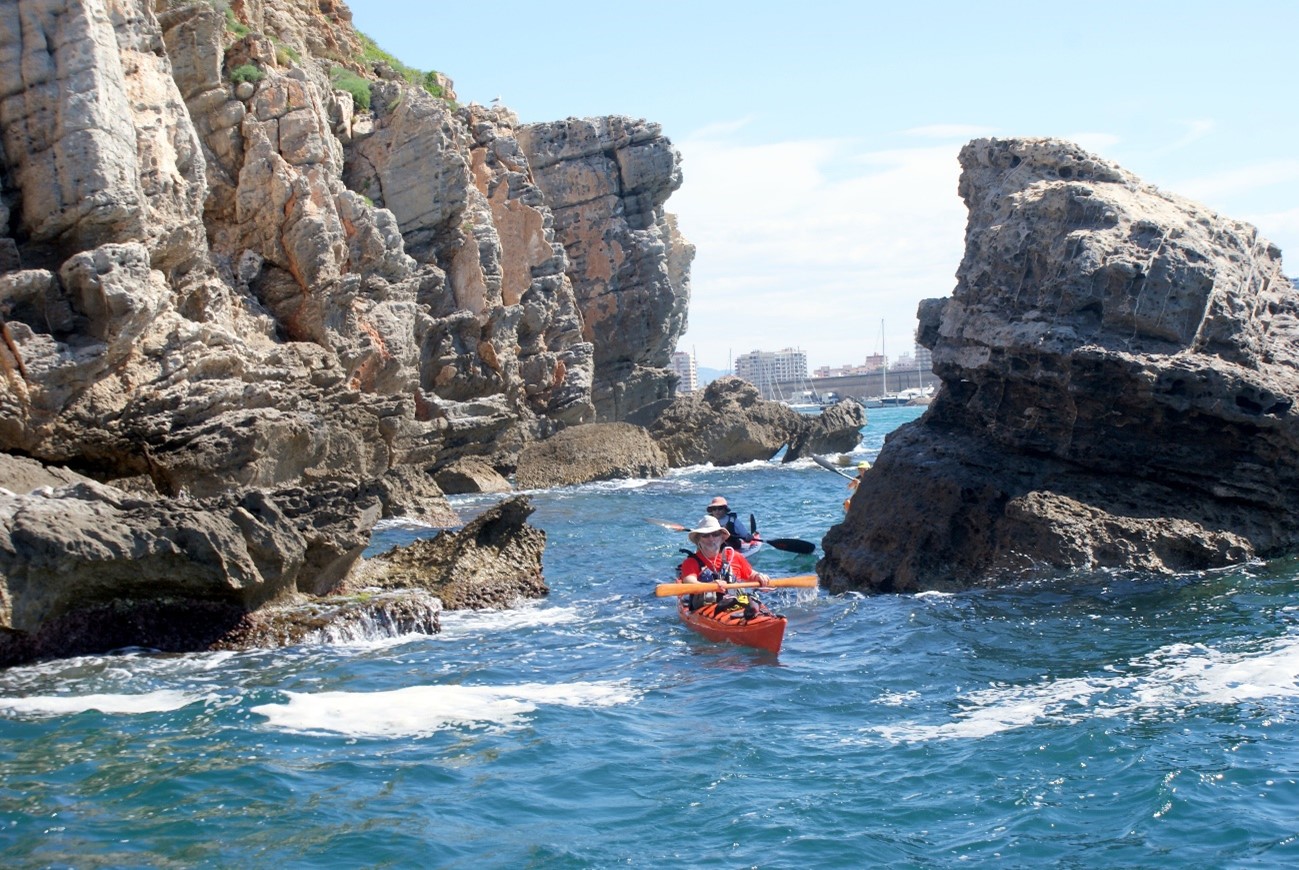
(1100, 720)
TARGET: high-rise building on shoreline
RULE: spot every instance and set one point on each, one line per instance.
(764, 368)
(683, 365)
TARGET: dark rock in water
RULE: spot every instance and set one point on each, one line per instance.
(493, 562)
(1119, 369)
(87, 568)
(837, 429)
(726, 423)
(596, 451)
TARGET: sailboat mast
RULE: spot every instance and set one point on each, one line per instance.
(884, 355)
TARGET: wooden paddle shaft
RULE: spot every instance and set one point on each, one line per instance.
(803, 581)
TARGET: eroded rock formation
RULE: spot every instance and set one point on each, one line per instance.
(494, 561)
(596, 451)
(606, 181)
(726, 423)
(221, 271)
(1119, 370)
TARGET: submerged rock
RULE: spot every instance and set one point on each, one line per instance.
(336, 619)
(1119, 369)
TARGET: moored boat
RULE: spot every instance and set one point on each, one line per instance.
(752, 625)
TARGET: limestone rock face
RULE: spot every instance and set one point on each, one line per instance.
(259, 268)
(1119, 372)
(606, 181)
(596, 451)
(210, 287)
(95, 142)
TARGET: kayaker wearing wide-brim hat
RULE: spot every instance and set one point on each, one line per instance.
(711, 563)
(719, 509)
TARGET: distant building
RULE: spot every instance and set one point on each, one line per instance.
(683, 365)
(924, 358)
(764, 369)
(841, 371)
(875, 362)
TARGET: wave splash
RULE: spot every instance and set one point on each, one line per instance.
(1176, 678)
(418, 711)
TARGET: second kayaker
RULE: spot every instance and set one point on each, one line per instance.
(738, 536)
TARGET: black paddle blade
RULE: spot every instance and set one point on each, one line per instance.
(792, 545)
(830, 466)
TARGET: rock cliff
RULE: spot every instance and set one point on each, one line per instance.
(1119, 370)
(606, 180)
(238, 249)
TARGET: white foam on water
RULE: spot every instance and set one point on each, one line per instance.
(1172, 680)
(457, 624)
(596, 486)
(407, 524)
(418, 711)
(161, 701)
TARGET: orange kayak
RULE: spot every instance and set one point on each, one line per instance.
(762, 629)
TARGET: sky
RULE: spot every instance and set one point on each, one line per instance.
(819, 139)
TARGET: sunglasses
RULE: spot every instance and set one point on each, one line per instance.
(715, 534)
(719, 507)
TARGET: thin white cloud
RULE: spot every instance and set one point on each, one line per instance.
(1097, 143)
(1196, 130)
(812, 243)
(950, 131)
(1234, 182)
(722, 129)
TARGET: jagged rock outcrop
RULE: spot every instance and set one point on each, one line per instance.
(261, 265)
(1120, 368)
(87, 567)
(726, 423)
(606, 181)
(469, 475)
(837, 429)
(494, 561)
(211, 286)
(596, 451)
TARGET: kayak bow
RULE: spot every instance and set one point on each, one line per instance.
(763, 630)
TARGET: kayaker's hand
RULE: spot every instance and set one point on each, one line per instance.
(721, 588)
(764, 582)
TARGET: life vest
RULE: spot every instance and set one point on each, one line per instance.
(736, 600)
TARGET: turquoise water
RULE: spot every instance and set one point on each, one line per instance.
(1104, 722)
